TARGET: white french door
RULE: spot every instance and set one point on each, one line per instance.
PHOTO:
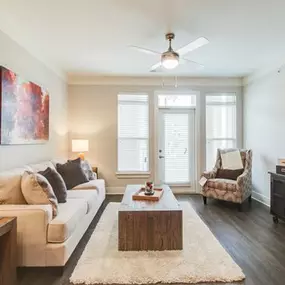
(176, 158)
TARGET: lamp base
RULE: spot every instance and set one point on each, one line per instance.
(81, 155)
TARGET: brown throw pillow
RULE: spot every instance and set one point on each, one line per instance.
(229, 173)
(72, 173)
(37, 191)
(56, 182)
(86, 167)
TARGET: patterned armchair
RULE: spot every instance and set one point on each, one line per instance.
(226, 189)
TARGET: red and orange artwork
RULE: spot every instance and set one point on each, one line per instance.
(24, 110)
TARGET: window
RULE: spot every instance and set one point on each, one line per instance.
(220, 124)
(177, 100)
(133, 133)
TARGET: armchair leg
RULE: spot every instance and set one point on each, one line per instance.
(249, 199)
(205, 200)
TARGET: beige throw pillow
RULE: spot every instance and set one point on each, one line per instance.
(37, 191)
(231, 160)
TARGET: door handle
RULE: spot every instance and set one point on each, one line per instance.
(160, 156)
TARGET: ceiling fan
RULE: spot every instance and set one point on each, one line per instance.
(170, 58)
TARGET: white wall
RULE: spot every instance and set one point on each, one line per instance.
(20, 61)
(264, 129)
(93, 115)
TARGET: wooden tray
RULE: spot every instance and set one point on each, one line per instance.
(140, 196)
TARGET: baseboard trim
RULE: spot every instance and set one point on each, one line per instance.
(261, 198)
(115, 190)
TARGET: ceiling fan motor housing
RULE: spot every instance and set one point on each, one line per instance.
(169, 55)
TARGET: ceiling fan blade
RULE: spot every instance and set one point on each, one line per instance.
(155, 67)
(186, 60)
(192, 46)
(145, 50)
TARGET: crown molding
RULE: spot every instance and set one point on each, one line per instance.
(75, 79)
(263, 73)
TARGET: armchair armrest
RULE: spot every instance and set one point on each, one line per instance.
(209, 174)
(244, 181)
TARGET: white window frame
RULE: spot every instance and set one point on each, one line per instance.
(133, 174)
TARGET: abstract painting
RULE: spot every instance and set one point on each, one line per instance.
(24, 110)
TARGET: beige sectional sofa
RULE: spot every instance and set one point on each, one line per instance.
(43, 240)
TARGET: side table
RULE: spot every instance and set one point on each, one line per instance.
(95, 169)
(8, 245)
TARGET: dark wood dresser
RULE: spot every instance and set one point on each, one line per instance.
(277, 188)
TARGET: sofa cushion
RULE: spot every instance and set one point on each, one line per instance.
(41, 166)
(69, 216)
(10, 186)
(37, 191)
(222, 184)
(90, 196)
(97, 184)
(56, 182)
(72, 173)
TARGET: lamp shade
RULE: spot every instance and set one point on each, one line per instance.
(80, 145)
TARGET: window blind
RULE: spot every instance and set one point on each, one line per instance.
(220, 125)
(133, 133)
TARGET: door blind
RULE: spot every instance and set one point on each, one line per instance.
(176, 132)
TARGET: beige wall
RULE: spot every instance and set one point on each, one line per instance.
(20, 61)
(93, 115)
(264, 117)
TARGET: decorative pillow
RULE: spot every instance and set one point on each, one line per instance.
(231, 160)
(72, 174)
(37, 191)
(229, 173)
(56, 182)
(86, 167)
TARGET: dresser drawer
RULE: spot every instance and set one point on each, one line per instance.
(278, 188)
(278, 206)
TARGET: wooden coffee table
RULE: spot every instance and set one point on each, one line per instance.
(147, 225)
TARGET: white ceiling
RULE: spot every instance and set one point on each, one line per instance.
(92, 36)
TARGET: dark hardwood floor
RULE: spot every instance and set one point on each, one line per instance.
(252, 239)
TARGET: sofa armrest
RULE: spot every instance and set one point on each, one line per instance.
(32, 224)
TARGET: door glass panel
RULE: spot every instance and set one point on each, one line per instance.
(176, 148)
(176, 100)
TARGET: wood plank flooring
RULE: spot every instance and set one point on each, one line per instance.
(255, 243)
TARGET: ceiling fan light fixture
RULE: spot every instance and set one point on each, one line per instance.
(170, 59)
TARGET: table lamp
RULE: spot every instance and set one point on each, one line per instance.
(80, 146)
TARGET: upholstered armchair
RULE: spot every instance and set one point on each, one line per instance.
(236, 191)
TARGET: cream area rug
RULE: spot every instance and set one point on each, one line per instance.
(202, 259)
